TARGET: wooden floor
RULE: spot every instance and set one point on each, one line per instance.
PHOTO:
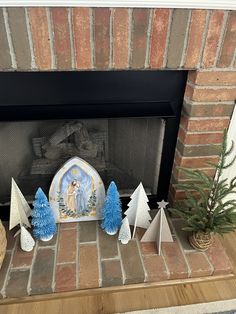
(142, 298)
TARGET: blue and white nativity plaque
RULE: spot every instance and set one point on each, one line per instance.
(77, 192)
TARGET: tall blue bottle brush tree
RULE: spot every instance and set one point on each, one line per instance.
(43, 221)
(112, 212)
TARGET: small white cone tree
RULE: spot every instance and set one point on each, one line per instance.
(138, 211)
(158, 231)
(125, 233)
(19, 212)
(27, 243)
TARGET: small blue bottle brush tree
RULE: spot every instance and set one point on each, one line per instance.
(112, 212)
(43, 221)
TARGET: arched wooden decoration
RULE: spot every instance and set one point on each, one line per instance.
(77, 192)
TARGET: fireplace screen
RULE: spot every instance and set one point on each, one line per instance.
(126, 150)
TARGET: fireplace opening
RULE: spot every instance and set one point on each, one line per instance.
(124, 124)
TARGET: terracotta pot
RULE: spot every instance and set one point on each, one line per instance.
(201, 240)
(3, 243)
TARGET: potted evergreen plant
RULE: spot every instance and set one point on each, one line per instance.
(207, 209)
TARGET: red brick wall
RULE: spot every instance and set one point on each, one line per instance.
(208, 104)
(203, 41)
(103, 38)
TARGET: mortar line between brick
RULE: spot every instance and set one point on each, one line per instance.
(51, 41)
(216, 69)
(148, 41)
(65, 263)
(3, 291)
(214, 87)
(185, 45)
(233, 59)
(92, 36)
(72, 44)
(9, 39)
(166, 266)
(226, 117)
(141, 257)
(77, 257)
(197, 132)
(88, 243)
(167, 39)
(149, 254)
(31, 46)
(121, 263)
(205, 118)
(204, 37)
(31, 268)
(210, 103)
(99, 256)
(46, 247)
(111, 38)
(55, 259)
(212, 267)
(200, 145)
(130, 37)
(24, 267)
(181, 249)
(110, 259)
(221, 39)
(194, 157)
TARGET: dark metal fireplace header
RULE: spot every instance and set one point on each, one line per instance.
(94, 95)
(56, 95)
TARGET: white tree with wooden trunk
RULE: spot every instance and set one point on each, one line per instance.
(19, 212)
(124, 233)
(159, 230)
(138, 211)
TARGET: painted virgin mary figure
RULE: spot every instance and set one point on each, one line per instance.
(72, 190)
(81, 200)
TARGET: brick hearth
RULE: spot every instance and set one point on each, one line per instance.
(82, 256)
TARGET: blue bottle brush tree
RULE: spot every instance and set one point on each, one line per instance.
(111, 212)
(43, 221)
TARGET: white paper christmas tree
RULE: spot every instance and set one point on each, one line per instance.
(26, 241)
(19, 210)
(159, 230)
(138, 211)
(124, 234)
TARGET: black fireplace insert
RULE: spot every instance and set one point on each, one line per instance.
(130, 118)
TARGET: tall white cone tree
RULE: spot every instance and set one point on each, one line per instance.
(124, 234)
(19, 212)
(158, 231)
(138, 211)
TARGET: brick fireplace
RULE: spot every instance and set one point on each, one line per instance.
(201, 42)
(75, 39)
